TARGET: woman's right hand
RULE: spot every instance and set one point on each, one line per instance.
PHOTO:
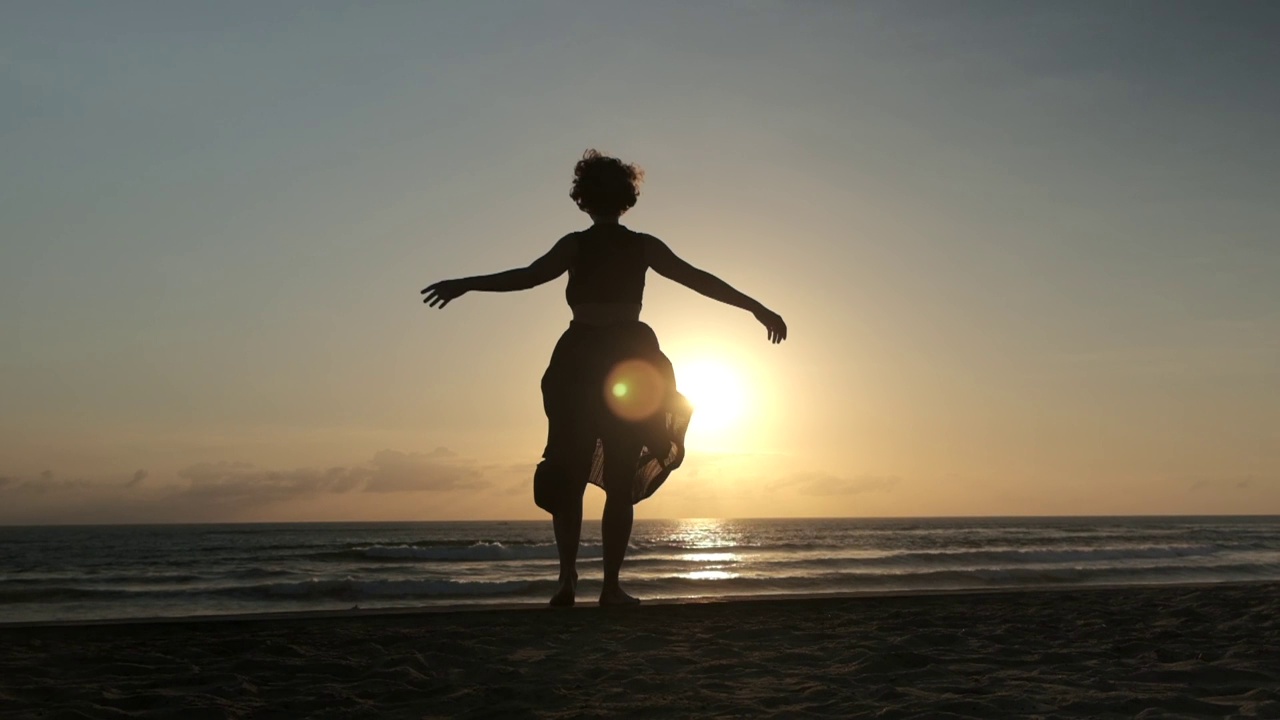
(772, 322)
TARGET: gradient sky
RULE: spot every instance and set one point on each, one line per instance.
(1029, 252)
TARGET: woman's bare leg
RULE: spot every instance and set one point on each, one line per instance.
(619, 470)
(568, 527)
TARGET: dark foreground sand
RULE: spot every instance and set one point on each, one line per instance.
(1170, 652)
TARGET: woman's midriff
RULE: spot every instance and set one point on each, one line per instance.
(605, 313)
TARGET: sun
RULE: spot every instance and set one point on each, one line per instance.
(717, 392)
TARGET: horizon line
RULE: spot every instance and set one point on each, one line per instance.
(1150, 516)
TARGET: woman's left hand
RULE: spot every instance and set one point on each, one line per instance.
(772, 322)
(442, 293)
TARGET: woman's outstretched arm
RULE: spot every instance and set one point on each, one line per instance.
(543, 270)
(669, 265)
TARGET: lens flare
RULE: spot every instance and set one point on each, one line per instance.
(634, 390)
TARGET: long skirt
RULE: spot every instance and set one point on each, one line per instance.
(610, 398)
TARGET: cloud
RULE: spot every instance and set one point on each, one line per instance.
(231, 482)
(1228, 484)
(44, 483)
(222, 482)
(389, 471)
(821, 484)
(522, 472)
(520, 487)
(395, 484)
(393, 471)
(47, 482)
(226, 490)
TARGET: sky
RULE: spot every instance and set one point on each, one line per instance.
(1028, 253)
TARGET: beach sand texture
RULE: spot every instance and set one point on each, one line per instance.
(1130, 652)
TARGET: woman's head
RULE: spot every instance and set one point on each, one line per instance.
(605, 186)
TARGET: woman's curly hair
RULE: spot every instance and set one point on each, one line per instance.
(604, 185)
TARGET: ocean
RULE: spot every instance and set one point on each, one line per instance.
(77, 573)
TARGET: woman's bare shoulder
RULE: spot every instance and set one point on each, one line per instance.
(569, 241)
(648, 240)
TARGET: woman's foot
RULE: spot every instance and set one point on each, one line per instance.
(564, 596)
(613, 594)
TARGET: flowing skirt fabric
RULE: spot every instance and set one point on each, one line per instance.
(610, 397)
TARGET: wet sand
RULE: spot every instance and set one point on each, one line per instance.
(1209, 651)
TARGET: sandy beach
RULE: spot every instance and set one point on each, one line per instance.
(1130, 652)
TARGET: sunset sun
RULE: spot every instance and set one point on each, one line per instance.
(717, 391)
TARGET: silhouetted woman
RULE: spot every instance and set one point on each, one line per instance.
(614, 416)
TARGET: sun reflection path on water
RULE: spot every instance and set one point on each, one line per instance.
(709, 575)
(704, 533)
(720, 557)
(708, 534)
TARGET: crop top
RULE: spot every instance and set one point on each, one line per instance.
(608, 267)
